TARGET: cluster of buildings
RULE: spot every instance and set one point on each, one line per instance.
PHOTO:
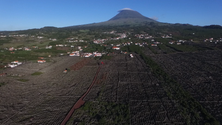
(213, 40)
(143, 36)
(166, 36)
(74, 53)
(111, 32)
(118, 46)
(64, 45)
(48, 47)
(120, 36)
(73, 40)
(78, 53)
(52, 39)
(17, 63)
(141, 44)
(14, 35)
(20, 48)
(25, 35)
(179, 42)
(3, 36)
(147, 36)
(94, 54)
(40, 37)
(26, 48)
(19, 35)
(99, 41)
(155, 43)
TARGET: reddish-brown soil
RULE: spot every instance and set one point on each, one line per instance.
(3, 74)
(80, 102)
(80, 64)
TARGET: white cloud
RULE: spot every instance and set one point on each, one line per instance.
(126, 9)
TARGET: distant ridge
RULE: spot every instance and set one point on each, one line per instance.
(213, 27)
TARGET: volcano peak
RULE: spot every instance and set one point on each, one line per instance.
(128, 14)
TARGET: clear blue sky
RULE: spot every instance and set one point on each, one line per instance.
(28, 14)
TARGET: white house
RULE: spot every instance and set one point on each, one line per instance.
(116, 48)
(87, 54)
(97, 54)
(48, 47)
(131, 55)
(74, 53)
(16, 62)
(12, 65)
(41, 61)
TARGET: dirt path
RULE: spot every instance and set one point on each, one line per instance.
(80, 102)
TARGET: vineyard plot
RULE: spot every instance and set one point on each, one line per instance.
(45, 98)
(199, 74)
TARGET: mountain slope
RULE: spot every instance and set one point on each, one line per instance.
(125, 16)
(130, 14)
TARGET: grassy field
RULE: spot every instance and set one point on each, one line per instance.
(36, 73)
(2, 83)
(103, 113)
(23, 80)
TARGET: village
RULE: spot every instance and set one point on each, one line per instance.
(73, 49)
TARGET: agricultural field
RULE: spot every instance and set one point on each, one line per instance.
(125, 91)
(126, 84)
(162, 83)
(36, 93)
(199, 73)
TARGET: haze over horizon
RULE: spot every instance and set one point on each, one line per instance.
(25, 14)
